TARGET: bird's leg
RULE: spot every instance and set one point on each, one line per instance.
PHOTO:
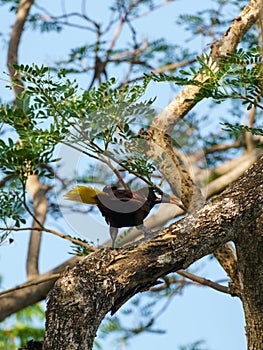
(113, 234)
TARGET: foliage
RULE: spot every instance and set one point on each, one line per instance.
(103, 121)
(238, 130)
(20, 327)
(80, 250)
(52, 110)
(195, 346)
(140, 313)
(11, 207)
(239, 76)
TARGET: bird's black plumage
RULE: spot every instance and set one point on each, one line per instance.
(124, 208)
(121, 207)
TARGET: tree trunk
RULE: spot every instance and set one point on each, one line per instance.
(105, 280)
(249, 246)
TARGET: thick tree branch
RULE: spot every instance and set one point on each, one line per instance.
(12, 58)
(30, 293)
(181, 105)
(105, 280)
(166, 212)
(177, 176)
(38, 191)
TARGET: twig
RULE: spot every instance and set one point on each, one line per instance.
(116, 172)
(245, 98)
(203, 281)
(5, 180)
(61, 235)
(32, 283)
(124, 54)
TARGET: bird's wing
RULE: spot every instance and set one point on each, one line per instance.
(123, 204)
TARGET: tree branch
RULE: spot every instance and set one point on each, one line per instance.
(181, 105)
(38, 191)
(226, 256)
(12, 58)
(56, 233)
(203, 281)
(31, 292)
(105, 280)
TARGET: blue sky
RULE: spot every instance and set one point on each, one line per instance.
(199, 313)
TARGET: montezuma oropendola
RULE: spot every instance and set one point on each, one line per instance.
(121, 207)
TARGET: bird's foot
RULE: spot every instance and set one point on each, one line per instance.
(147, 234)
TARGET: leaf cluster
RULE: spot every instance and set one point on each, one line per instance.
(237, 130)
(53, 110)
(239, 76)
(80, 250)
(11, 208)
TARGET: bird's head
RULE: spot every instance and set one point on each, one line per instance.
(166, 198)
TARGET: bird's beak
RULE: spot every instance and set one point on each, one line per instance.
(177, 201)
(166, 198)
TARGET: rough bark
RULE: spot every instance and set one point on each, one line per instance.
(105, 280)
(249, 246)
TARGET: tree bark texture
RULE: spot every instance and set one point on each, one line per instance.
(105, 280)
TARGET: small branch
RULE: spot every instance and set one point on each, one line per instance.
(61, 235)
(31, 283)
(226, 256)
(130, 53)
(5, 180)
(248, 135)
(203, 281)
(116, 172)
(223, 147)
(167, 283)
(153, 8)
(167, 67)
(114, 39)
(245, 98)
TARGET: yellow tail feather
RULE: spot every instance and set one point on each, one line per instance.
(83, 194)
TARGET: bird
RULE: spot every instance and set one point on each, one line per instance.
(121, 207)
